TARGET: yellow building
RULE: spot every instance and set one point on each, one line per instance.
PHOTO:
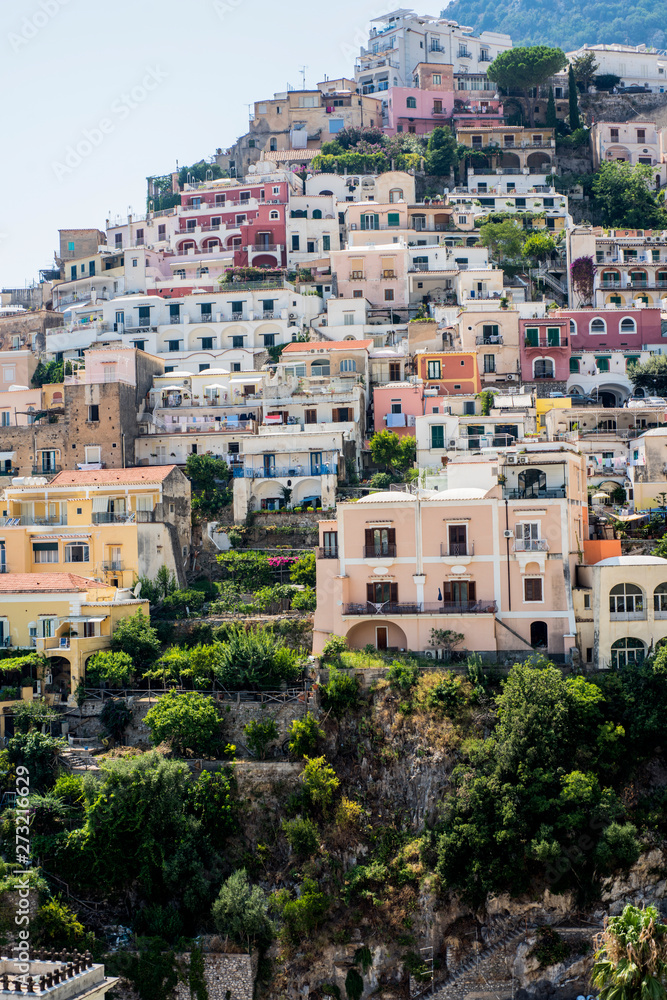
(545, 403)
(113, 525)
(64, 616)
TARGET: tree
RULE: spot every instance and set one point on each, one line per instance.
(631, 960)
(584, 69)
(442, 151)
(526, 67)
(241, 911)
(551, 117)
(395, 453)
(504, 240)
(304, 735)
(320, 783)
(115, 669)
(205, 472)
(136, 637)
(651, 376)
(573, 98)
(188, 721)
(626, 196)
(259, 735)
(538, 246)
(303, 571)
(606, 81)
(582, 271)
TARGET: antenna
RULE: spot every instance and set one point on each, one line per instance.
(303, 76)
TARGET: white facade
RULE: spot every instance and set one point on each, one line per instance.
(312, 228)
(635, 65)
(630, 142)
(399, 40)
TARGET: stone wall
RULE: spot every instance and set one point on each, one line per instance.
(620, 107)
(26, 326)
(228, 977)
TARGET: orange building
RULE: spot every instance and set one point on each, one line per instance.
(453, 373)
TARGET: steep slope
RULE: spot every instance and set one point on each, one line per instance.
(565, 22)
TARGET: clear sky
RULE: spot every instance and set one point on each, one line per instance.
(137, 85)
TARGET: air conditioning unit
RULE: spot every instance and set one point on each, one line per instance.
(452, 443)
(510, 378)
(430, 653)
(521, 460)
(292, 315)
(511, 459)
(508, 534)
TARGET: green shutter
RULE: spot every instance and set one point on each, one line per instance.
(532, 337)
(553, 336)
(393, 219)
(45, 547)
(437, 436)
(363, 221)
(376, 221)
(574, 364)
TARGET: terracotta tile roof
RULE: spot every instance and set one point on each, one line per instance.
(45, 583)
(331, 345)
(109, 477)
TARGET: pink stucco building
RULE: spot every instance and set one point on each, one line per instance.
(397, 405)
(544, 349)
(377, 273)
(394, 566)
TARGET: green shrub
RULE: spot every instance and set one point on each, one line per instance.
(58, 927)
(115, 669)
(304, 600)
(320, 783)
(403, 676)
(302, 836)
(187, 722)
(340, 693)
(448, 695)
(304, 735)
(303, 915)
(303, 571)
(253, 658)
(381, 481)
(354, 985)
(10, 694)
(183, 602)
(69, 788)
(259, 734)
(333, 647)
(550, 948)
(115, 717)
(136, 636)
(241, 911)
(248, 570)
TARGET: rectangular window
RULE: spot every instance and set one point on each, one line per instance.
(532, 337)
(76, 552)
(489, 363)
(93, 413)
(310, 416)
(437, 79)
(532, 590)
(172, 345)
(237, 341)
(434, 369)
(393, 219)
(326, 243)
(330, 546)
(389, 294)
(295, 241)
(437, 436)
(207, 343)
(45, 552)
(93, 454)
(382, 593)
(5, 418)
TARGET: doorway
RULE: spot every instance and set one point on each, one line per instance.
(381, 637)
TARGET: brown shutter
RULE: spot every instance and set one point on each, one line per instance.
(472, 589)
(369, 538)
(447, 593)
(393, 593)
(369, 592)
(391, 536)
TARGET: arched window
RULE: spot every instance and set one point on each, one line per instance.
(326, 192)
(626, 600)
(627, 651)
(411, 102)
(660, 600)
(274, 216)
(661, 278)
(539, 636)
(317, 214)
(543, 368)
(396, 194)
(573, 328)
(273, 145)
(532, 482)
(628, 325)
(348, 365)
(597, 326)
(575, 364)
(320, 368)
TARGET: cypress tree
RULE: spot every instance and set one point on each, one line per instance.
(551, 110)
(575, 120)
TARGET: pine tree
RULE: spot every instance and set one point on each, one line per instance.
(575, 120)
(551, 110)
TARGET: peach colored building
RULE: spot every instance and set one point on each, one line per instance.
(452, 373)
(495, 566)
(377, 273)
(16, 368)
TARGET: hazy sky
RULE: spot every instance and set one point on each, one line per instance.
(95, 97)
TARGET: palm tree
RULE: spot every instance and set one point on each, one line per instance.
(631, 960)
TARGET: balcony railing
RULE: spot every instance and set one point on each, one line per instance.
(387, 609)
(20, 521)
(489, 339)
(457, 549)
(108, 517)
(115, 566)
(39, 470)
(205, 318)
(627, 616)
(534, 494)
(332, 554)
(531, 545)
(276, 472)
(544, 342)
(387, 551)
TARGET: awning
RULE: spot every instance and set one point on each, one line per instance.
(81, 618)
(100, 504)
(631, 517)
(6, 455)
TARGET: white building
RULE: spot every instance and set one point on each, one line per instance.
(630, 142)
(400, 40)
(636, 65)
(312, 229)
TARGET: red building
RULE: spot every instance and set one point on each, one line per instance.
(544, 346)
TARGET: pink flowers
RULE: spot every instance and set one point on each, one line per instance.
(277, 562)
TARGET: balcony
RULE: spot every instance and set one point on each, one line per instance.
(276, 472)
(4, 568)
(489, 339)
(205, 318)
(531, 545)
(453, 549)
(628, 616)
(175, 320)
(357, 276)
(39, 470)
(333, 554)
(535, 494)
(450, 608)
(544, 342)
(108, 517)
(25, 521)
(387, 551)
(116, 566)
(263, 248)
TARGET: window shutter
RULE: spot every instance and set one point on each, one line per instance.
(334, 416)
(363, 221)
(376, 221)
(472, 590)
(447, 593)
(391, 536)
(369, 538)
(369, 590)
(393, 593)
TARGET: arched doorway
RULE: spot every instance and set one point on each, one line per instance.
(532, 482)
(60, 671)
(607, 398)
(539, 635)
(625, 652)
(378, 632)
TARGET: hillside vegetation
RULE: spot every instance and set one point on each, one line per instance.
(566, 23)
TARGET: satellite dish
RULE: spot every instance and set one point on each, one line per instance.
(137, 589)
